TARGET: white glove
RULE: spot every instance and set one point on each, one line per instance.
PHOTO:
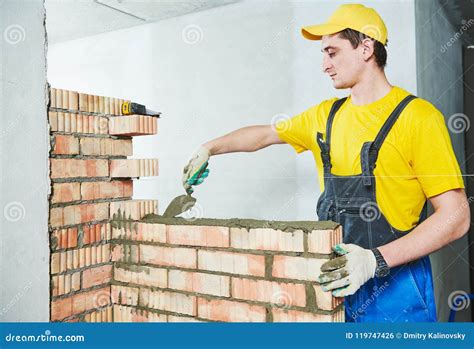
(346, 274)
(195, 170)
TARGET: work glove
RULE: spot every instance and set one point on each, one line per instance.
(344, 275)
(196, 170)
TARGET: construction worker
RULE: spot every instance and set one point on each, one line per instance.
(380, 154)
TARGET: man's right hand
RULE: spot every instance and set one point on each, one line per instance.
(196, 170)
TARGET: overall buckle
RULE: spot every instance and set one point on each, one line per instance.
(367, 159)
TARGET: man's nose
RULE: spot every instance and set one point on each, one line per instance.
(326, 64)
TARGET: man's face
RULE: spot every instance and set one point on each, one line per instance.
(341, 61)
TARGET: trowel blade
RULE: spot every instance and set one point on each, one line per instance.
(179, 205)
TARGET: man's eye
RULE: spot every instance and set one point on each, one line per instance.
(332, 54)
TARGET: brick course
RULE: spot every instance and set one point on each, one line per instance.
(200, 275)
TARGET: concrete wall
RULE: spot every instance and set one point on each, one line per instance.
(439, 72)
(24, 245)
(214, 71)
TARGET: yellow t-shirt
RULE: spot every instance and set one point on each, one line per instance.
(416, 160)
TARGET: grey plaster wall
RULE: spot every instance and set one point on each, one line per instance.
(24, 247)
(439, 80)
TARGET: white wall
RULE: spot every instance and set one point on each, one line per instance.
(24, 147)
(249, 65)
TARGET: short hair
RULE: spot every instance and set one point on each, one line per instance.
(355, 37)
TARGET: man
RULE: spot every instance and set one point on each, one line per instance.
(380, 154)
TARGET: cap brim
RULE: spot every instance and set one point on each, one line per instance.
(316, 32)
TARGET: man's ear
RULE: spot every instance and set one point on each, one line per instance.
(367, 46)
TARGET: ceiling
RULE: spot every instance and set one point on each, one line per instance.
(74, 19)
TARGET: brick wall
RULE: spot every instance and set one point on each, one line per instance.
(217, 270)
(115, 259)
(91, 180)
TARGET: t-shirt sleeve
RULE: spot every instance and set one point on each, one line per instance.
(433, 159)
(298, 131)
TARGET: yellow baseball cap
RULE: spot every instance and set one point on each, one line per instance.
(354, 16)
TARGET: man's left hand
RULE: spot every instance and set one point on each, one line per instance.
(344, 275)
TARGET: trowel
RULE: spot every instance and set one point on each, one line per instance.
(179, 205)
(182, 203)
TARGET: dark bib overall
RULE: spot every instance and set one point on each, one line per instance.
(406, 294)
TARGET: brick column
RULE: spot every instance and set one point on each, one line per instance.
(91, 180)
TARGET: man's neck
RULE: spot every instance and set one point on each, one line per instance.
(372, 86)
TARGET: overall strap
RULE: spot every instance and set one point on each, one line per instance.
(370, 150)
(325, 145)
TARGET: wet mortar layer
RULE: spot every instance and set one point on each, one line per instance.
(288, 226)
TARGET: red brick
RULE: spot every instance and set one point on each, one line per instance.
(117, 253)
(106, 146)
(66, 192)
(73, 100)
(282, 294)
(298, 268)
(169, 301)
(107, 105)
(53, 120)
(228, 262)
(55, 285)
(325, 300)
(133, 125)
(70, 168)
(106, 190)
(59, 98)
(65, 238)
(66, 145)
(90, 300)
(61, 308)
(140, 231)
(142, 275)
(132, 209)
(76, 281)
(71, 237)
(96, 104)
(56, 216)
(101, 104)
(229, 311)
(55, 262)
(76, 214)
(96, 232)
(217, 285)
(90, 103)
(322, 241)
(65, 104)
(267, 239)
(124, 295)
(133, 168)
(52, 97)
(79, 123)
(58, 262)
(195, 235)
(96, 276)
(283, 315)
(168, 256)
(105, 253)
